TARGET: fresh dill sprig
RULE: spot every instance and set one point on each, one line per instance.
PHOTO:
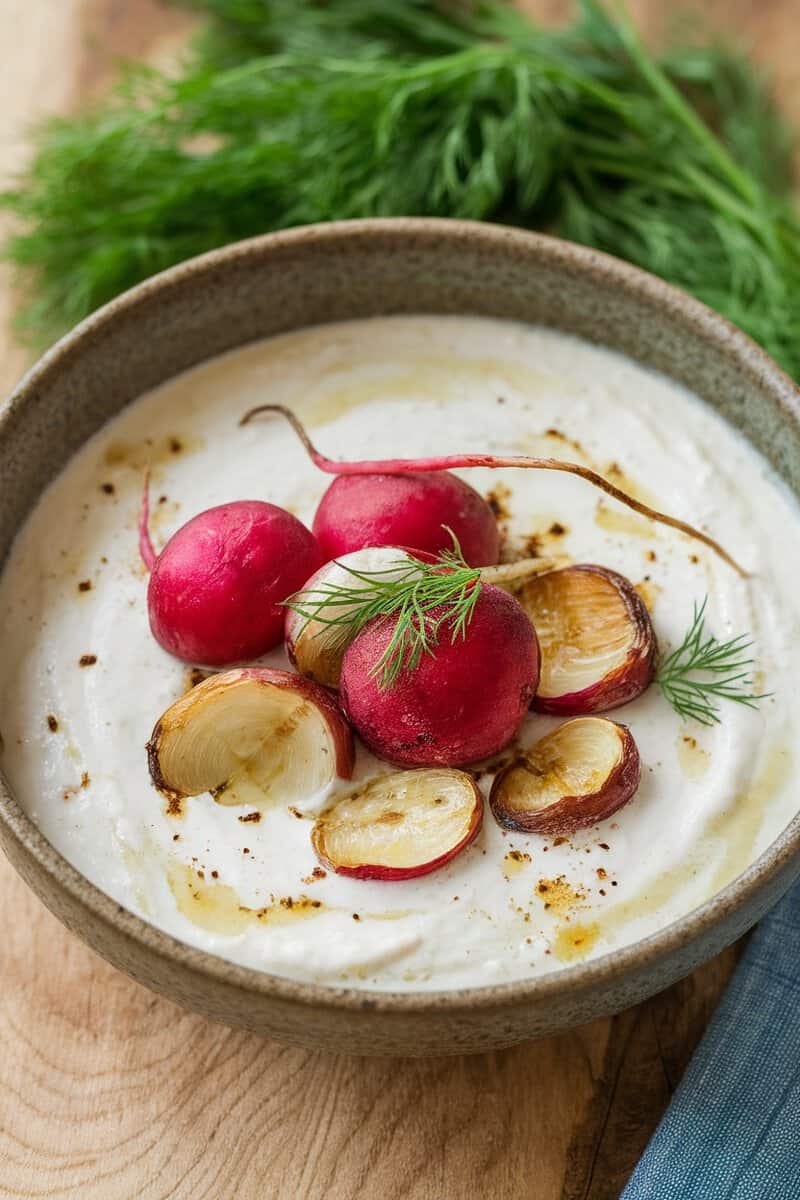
(289, 112)
(426, 599)
(703, 670)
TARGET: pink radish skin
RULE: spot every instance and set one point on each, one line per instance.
(413, 509)
(447, 462)
(458, 706)
(215, 590)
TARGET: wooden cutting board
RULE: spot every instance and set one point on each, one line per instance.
(109, 1093)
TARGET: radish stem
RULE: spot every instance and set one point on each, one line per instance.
(446, 462)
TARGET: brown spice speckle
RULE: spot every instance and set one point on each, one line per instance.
(497, 499)
(316, 874)
(557, 529)
(108, 488)
(85, 585)
(175, 445)
(254, 816)
(532, 546)
(52, 723)
(561, 895)
(356, 917)
(87, 660)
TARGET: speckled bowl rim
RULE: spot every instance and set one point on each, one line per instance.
(749, 358)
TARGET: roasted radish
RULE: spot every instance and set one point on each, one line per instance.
(215, 590)
(248, 736)
(329, 611)
(462, 697)
(399, 826)
(577, 775)
(415, 510)
(318, 628)
(597, 640)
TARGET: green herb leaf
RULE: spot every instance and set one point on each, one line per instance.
(296, 111)
(426, 598)
(703, 671)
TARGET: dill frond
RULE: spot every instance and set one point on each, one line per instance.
(702, 671)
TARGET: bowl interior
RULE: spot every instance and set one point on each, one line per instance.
(276, 284)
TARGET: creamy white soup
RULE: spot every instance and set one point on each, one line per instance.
(83, 681)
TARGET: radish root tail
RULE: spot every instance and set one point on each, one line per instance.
(398, 466)
(145, 542)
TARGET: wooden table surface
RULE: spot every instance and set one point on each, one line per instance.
(108, 1092)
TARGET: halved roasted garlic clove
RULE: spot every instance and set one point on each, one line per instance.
(596, 637)
(400, 826)
(575, 776)
(313, 643)
(251, 734)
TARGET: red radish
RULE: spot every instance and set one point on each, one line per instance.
(445, 462)
(415, 510)
(317, 648)
(325, 615)
(250, 735)
(597, 640)
(459, 704)
(216, 588)
(579, 774)
(400, 826)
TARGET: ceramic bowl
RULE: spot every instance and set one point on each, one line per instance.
(331, 273)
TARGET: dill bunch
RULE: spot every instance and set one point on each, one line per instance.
(293, 111)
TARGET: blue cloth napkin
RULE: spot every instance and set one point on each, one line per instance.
(732, 1130)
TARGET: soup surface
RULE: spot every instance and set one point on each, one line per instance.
(83, 681)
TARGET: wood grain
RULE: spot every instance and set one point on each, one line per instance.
(108, 1093)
